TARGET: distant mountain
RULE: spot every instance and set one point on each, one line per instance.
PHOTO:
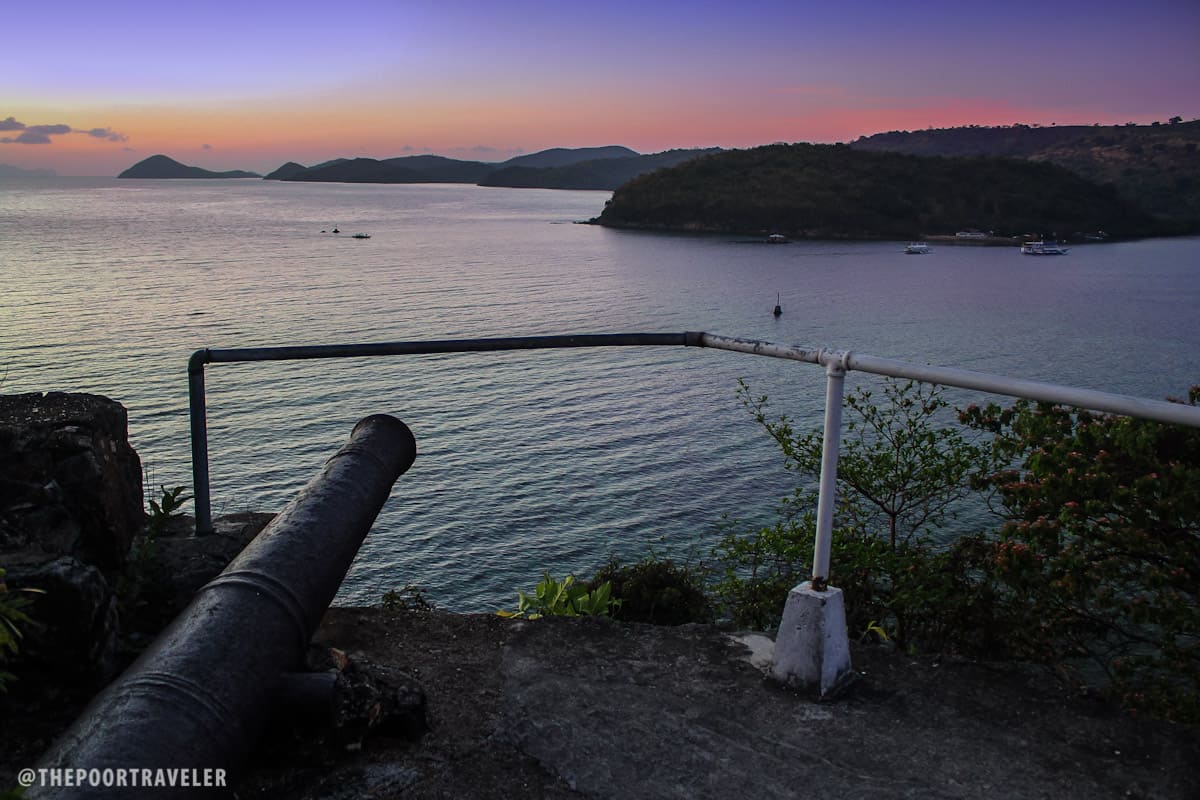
(9, 171)
(405, 169)
(562, 156)
(285, 172)
(833, 191)
(586, 167)
(601, 173)
(1156, 166)
(161, 166)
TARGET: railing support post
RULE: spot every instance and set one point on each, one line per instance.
(812, 650)
(835, 372)
(197, 410)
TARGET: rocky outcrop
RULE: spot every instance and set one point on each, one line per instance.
(70, 484)
(70, 505)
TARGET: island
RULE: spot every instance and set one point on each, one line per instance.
(600, 168)
(839, 192)
(160, 166)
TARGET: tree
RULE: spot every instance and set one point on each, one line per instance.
(1101, 551)
(899, 470)
(903, 467)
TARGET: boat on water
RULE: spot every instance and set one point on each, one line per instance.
(362, 236)
(777, 238)
(1043, 249)
(917, 248)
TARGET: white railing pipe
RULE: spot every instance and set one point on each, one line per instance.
(835, 380)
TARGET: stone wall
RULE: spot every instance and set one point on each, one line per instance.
(70, 506)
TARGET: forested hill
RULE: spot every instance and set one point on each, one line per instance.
(1155, 166)
(833, 191)
(560, 168)
(599, 173)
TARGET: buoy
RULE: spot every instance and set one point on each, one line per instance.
(778, 308)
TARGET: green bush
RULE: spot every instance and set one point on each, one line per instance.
(564, 598)
(407, 598)
(657, 591)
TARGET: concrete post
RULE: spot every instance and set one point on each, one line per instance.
(811, 648)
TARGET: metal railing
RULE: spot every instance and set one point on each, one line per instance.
(836, 364)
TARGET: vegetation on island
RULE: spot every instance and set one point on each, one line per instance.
(1091, 568)
(1155, 166)
(606, 173)
(834, 191)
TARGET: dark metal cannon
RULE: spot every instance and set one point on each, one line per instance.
(200, 697)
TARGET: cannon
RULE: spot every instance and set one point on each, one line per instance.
(199, 698)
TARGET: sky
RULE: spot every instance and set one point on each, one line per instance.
(90, 88)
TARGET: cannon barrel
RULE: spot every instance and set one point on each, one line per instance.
(201, 695)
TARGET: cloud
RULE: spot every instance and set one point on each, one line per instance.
(40, 134)
(28, 137)
(106, 133)
(35, 134)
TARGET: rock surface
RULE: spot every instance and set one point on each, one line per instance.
(589, 708)
(70, 505)
(70, 484)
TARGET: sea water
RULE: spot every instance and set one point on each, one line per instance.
(535, 460)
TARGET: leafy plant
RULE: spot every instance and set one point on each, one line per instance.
(564, 598)
(164, 510)
(12, 620)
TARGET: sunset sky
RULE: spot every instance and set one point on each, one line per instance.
(91, 88)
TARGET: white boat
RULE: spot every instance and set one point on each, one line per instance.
(917, 248)
(1043, 249)
(777, 238)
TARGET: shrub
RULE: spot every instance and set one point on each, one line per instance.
(564, 598)
(407, 598)
(657, 591)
